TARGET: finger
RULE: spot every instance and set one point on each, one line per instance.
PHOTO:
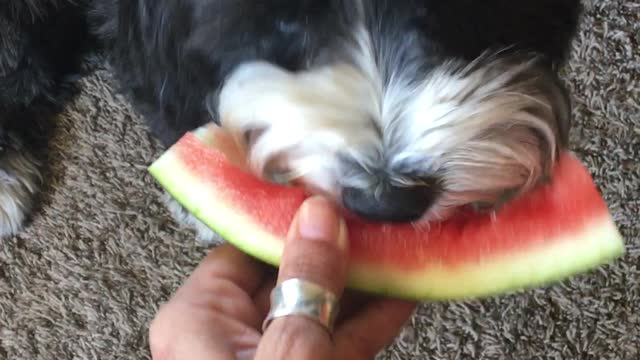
(316, 251)
(230, 264)
(261, 296)
(181, 332)
(351, 303)
(372, 329)
(212, 315)
(316, 248)
(225, 282)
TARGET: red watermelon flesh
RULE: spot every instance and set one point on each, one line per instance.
(558, 230)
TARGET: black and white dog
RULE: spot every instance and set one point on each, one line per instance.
(399, 110)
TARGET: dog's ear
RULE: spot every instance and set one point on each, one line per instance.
(550, 85)
(560, 99)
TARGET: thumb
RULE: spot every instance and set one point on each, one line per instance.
(316, 251)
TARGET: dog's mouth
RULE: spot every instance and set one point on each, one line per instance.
(278, 170)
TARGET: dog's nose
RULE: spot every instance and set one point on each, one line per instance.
(389, 203)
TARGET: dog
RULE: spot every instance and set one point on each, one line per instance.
(399, 111)
(43, 44)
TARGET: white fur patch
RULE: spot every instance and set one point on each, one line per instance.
(19, 182)
(478, 130)
(482, 129)
(305, 120)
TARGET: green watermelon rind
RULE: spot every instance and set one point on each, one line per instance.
(598, 243)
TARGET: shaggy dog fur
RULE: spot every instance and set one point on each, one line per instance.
(399, 110)
(42, 46)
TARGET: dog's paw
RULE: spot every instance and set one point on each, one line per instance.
(203, 233)
(20, 180)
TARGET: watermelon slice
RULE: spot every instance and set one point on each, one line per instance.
(559, 230)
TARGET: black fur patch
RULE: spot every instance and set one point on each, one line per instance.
(172, 55)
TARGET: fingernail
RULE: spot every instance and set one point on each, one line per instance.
(319, 221)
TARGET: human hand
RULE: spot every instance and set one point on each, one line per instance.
(219, 311)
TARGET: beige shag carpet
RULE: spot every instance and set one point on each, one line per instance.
(86, 277)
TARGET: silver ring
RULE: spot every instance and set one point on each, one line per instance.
(304, 298)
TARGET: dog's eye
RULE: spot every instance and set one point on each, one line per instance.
(416, 179)
(288, 27)
(277, 173)
(408, 173)
(483, 206)
(277, 176)
(251, 136)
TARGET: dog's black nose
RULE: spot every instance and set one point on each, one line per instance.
(389, 203)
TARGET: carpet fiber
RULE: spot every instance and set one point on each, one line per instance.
(86, 277)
